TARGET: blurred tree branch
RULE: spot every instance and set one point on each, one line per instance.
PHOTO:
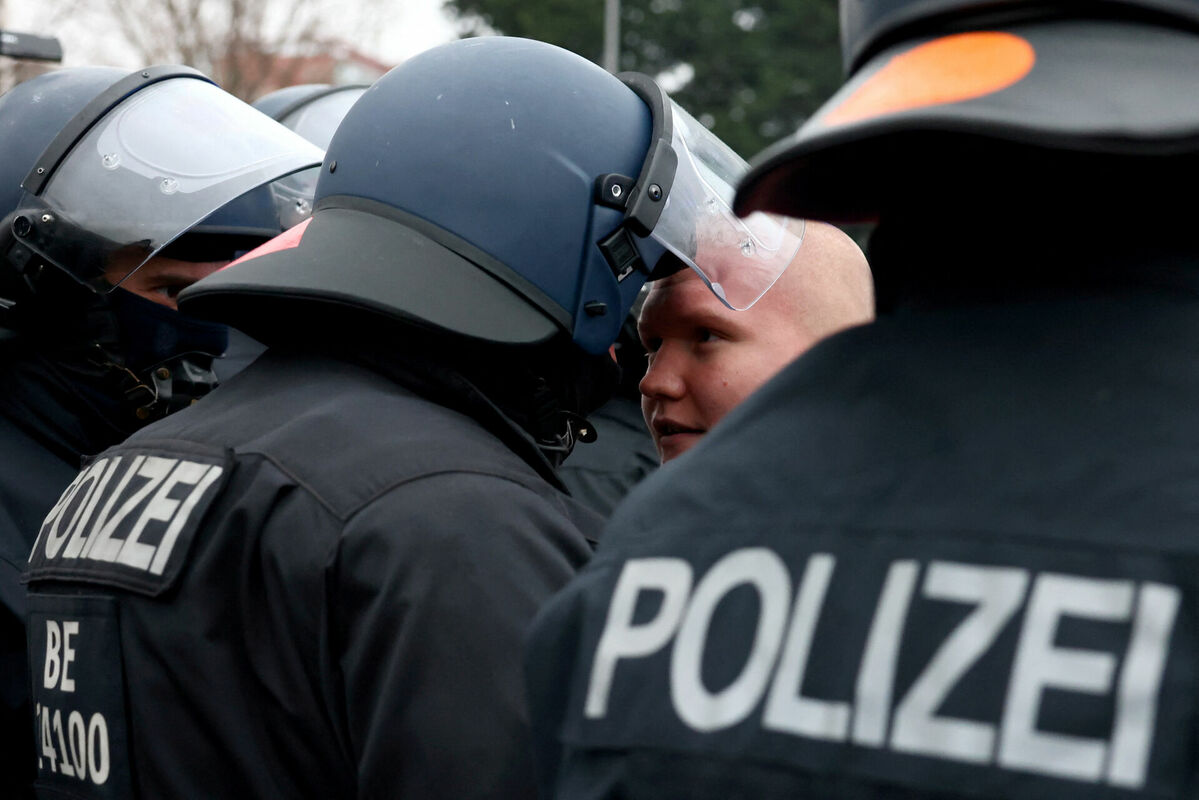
(13, 71)
(247, 46)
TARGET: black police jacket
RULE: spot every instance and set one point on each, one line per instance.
(599, 474)
(950, 554)
(313, 583)
(47, 424)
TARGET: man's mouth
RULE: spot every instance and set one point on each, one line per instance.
(670, 428)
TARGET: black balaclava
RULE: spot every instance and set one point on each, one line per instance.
(132, 359)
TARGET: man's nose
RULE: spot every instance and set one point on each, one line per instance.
(663, 375)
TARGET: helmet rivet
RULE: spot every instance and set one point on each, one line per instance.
(21, 226)
(47, 219)
(145, 74)
(162, 373)
(142, 413)
(655, 192)
(332, 167)
(616, 190)
(41, 170)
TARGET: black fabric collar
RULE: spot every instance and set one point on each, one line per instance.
(448, 387)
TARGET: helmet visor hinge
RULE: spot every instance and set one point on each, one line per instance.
(621, 253)
(613, 190)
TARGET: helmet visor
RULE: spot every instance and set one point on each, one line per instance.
(316, 122)
(154, 166)
(293, 196)
(739, 259)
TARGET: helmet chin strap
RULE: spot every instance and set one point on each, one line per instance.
(562, 395)
(154, 392)
(164, 358)
(572, 428)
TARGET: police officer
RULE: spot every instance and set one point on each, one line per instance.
(94, 181)
(316, 582)
(950, 554)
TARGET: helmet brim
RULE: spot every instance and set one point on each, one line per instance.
(399, 274)
(1104, 87)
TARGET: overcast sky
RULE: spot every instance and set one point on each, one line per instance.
(413, 26)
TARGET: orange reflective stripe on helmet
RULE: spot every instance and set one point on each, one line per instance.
(947, 70)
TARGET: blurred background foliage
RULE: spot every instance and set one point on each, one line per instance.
(752, 72)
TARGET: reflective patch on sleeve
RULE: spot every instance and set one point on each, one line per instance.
(78, 690)
(127, 520)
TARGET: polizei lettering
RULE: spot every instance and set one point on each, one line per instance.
(122, 518)
(659, 605)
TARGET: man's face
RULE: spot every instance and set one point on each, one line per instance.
(705, 359)
(160, 279)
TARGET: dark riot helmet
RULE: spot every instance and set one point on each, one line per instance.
(313, 110)
(937, 88)
(508, 191)
(106, 167)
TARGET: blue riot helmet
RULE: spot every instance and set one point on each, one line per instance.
(164, 146)
(313, 110)
(32, 114)
(281, 102)
(105, 170)
(501, 189)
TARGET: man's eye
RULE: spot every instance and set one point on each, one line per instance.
(705, 335)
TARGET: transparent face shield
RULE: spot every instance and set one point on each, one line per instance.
(739, 259)
(161, 161)
(316, 122)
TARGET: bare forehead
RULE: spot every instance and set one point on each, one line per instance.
(682, 298)
(684, 286)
